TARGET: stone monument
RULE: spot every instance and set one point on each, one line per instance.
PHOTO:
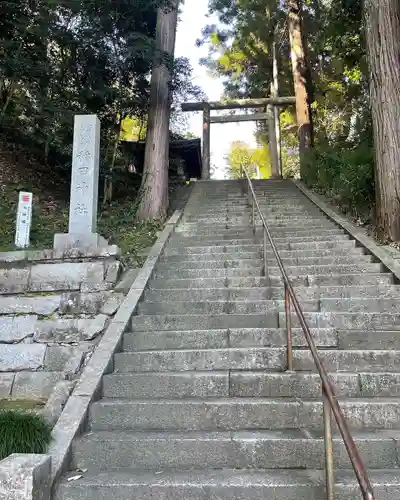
(24, 217)
(82, 230)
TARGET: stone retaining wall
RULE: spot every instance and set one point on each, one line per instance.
(54, 308)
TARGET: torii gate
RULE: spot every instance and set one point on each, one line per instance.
(268, 102)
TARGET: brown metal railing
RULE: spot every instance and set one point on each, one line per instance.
(330, 403)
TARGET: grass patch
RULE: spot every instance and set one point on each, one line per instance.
(116, 222)
(23, 433)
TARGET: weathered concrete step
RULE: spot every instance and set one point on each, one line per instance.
(242, 262)
(385, 305)
(231, 383)
(224, 338)
(278, 238)
(339, 280)
(299, 226)
(255, 358)
(371, 339)
(176, 385)
(238, 413)
(202, 322)
(227, 450)
(212, 264)
(272, 271)
(272, 359)
(221, 307)
(391, 293)
(306, 385)
(285, 254)
(131, 484)
(206, 273)
(332, 292)
(347, 321)
(228, 247)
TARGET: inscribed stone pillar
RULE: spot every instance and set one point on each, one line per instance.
(82, 228)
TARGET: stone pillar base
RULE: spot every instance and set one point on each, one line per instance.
(67, 241)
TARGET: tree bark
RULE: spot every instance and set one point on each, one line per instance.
(382, 26)
(300, 76)
(154, 188)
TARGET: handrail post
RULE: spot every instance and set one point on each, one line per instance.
(289, 336)
(265, 253)
(328, 444)
(253, 216)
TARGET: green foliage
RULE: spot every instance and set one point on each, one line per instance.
(61, 58)
(240, 51)
(23, 433)
(118, 222)
(346, 176)
(255, 160)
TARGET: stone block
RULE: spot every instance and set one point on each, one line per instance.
(57, 400)
(30, 305)
(21, 357)
(64, 243)
(89, 303)
(67, 272)
(127, 280)
(34, 385)
(25, 477)
(112, 304)
(57, 357)
(53, 286)
(14, 256)
(92, 328)
(70, 329)
(14, 278)
(92, 303)
(113, 272)
(100, 286)
(6, 383)
(14, 329)
(74, 365)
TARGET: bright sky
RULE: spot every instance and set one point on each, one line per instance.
(193, 19)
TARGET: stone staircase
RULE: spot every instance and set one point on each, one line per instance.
(200, 405)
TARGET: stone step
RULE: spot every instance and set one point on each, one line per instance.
(347, 321)
(231, 246)
(131, 484)
(260, 337)
(391, 293)
(213, 264)
(284, 254)
(294, 271)
(224, 338)
(238, 413)
(242, 262)
(255, 358)
(373, 279)
(226, 307)
(202, 322)
(290, 227)
(285, 239)
(231, 383)
(372, 339)
(286, 449)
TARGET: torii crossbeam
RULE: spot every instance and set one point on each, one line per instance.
(267, 102)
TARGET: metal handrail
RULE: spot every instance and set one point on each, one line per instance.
(331, 404)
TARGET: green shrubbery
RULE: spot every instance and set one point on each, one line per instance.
(23, 433)
(345, 175)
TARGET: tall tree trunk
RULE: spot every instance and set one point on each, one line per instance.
(154, 188)
(300, 77)
(382, 25)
